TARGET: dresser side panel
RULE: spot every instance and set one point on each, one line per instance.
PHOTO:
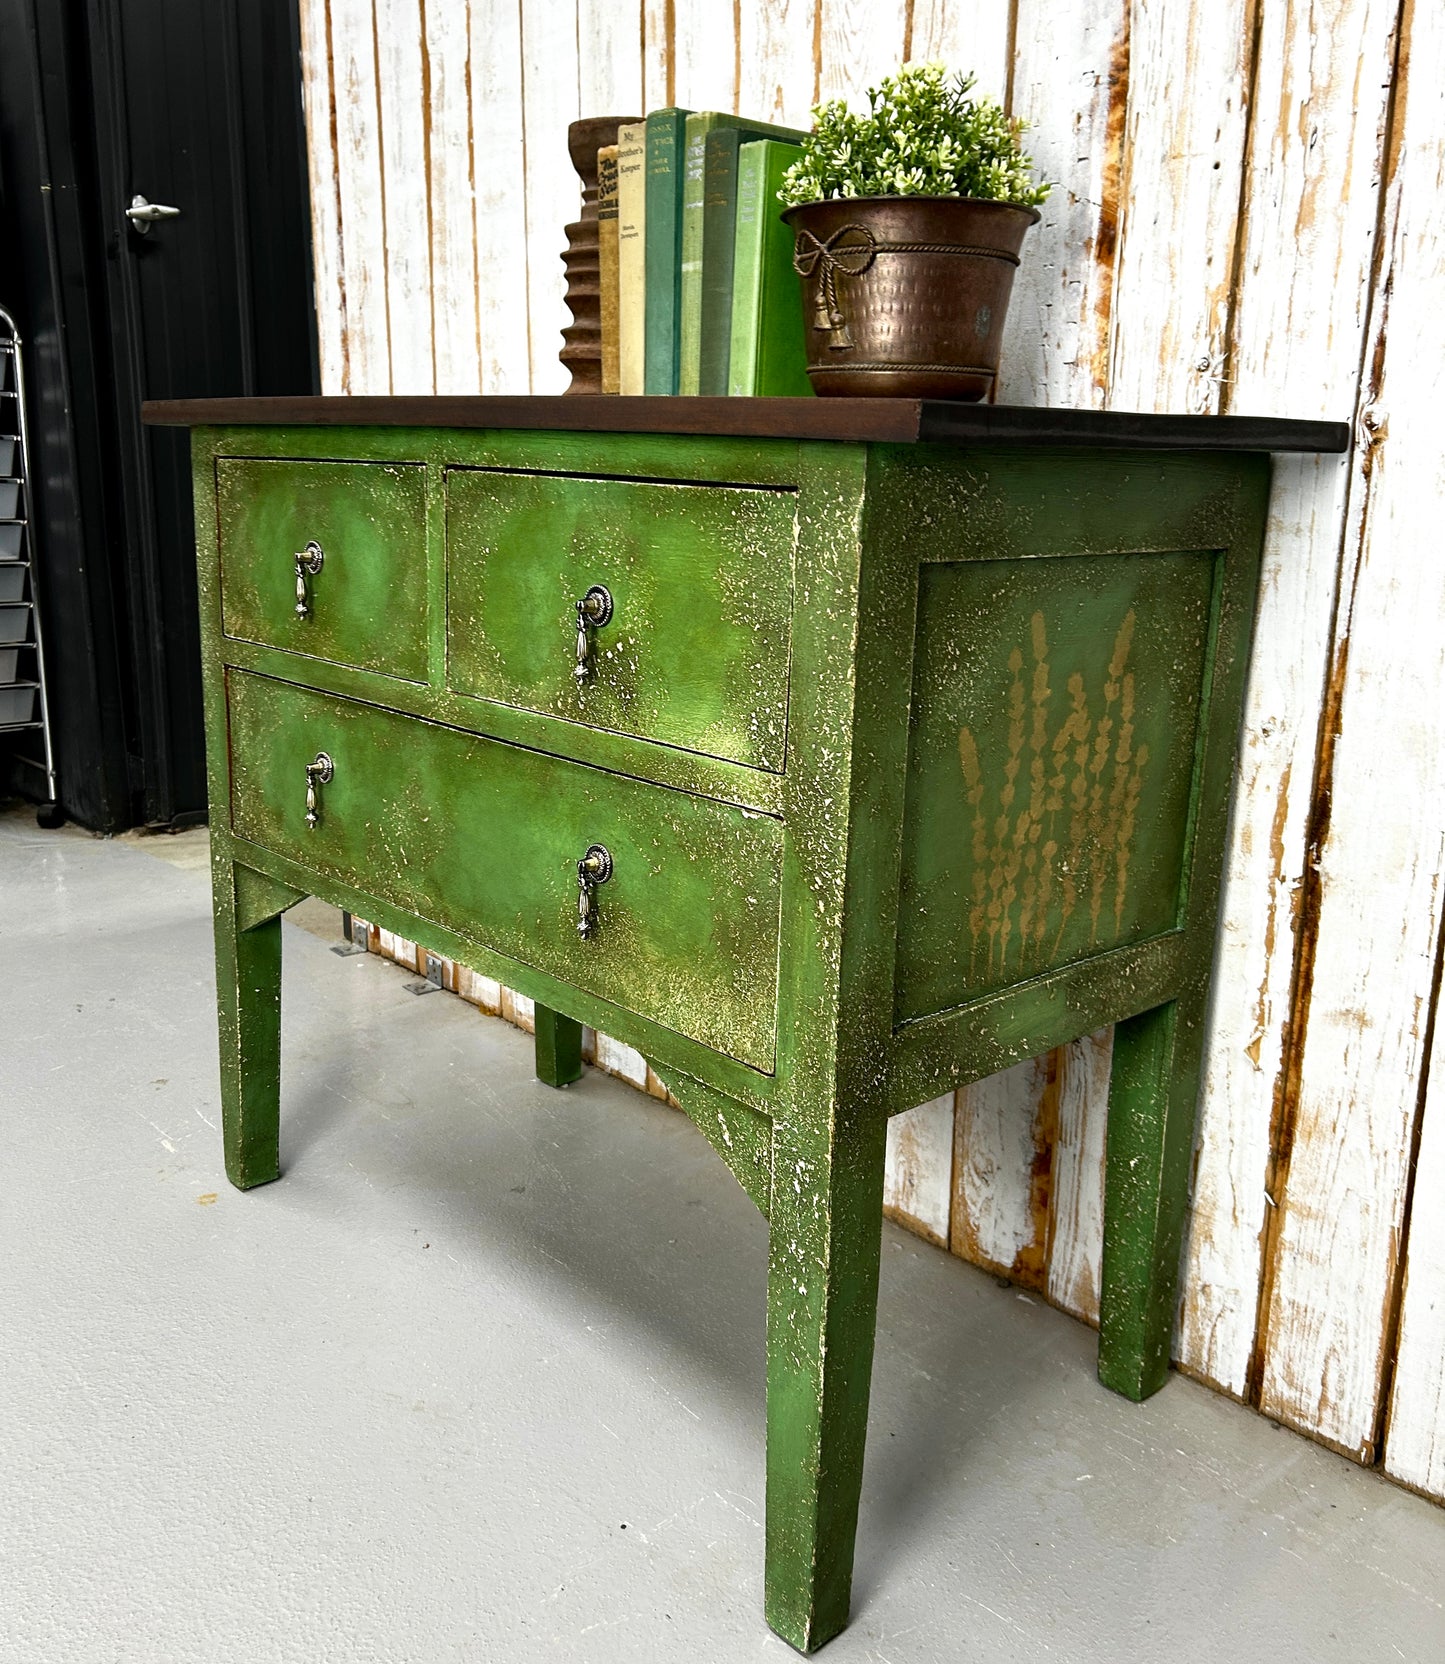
(1036, 723)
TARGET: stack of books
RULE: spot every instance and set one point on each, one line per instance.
(699, 294)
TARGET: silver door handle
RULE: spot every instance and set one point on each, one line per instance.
(143, 215)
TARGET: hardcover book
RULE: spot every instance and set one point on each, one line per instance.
(768, 353)
(719, 217)
(699, 128)
(631, 255)
(607, 263)
(663, 238)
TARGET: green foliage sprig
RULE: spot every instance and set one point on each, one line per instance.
(923, 135)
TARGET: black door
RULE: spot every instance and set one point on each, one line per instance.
(197, 110)
(195, 105)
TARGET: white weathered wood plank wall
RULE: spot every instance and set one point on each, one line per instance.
(1415, 1432)
(1362, 1014)
(1246, 203)
(1308, 212)
(499, 221)
(404, 103)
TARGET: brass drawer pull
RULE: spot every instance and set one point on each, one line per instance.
(593, 869)
(308, 563)
(593, 611)
(317, 774)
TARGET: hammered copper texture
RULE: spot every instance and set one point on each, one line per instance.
(914, 322)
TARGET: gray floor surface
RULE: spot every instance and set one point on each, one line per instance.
(481, 1378)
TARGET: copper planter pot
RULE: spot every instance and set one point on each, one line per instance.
(906, 295)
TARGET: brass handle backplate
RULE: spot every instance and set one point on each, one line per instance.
(308, 564)
(593, 869)
(593, 611)
(317, 775)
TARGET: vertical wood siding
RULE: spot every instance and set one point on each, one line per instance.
(973, 35)
(1185, 122)
(1362, 1019)
(703, 60)
(1076, 1166)
(1070, 82)
(415, 268)
(1415, 1432)
(442, 182)
(499, 218)
(551, 99)
(918, 1181)
(1246, 202)
(350, 33)
(778, 62)
(1309, 207)
(318, 102)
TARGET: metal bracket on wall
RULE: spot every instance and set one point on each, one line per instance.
(433, 980)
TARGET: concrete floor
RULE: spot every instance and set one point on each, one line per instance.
(481, 1378)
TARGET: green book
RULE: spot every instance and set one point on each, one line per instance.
(690, 277)
(768, 352)
(662, 235)
(719, 218)
(699, 128)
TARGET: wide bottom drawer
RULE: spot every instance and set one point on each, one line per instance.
(485, 839)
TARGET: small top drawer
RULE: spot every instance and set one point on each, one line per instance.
(365, 598)
(699, 583)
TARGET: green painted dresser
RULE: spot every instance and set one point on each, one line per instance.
(831, 753)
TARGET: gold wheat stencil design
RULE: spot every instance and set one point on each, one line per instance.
(1059, 831)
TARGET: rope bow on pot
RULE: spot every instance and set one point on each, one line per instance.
(852, 257)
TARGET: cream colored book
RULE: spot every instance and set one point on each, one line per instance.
(631, 254)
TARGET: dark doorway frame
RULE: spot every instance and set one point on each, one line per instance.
(116, 563)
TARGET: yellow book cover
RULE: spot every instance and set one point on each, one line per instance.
(607, 263)
(631, 254)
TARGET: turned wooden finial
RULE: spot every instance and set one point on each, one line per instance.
(582, 353)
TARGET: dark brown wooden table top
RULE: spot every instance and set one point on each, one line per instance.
(894, 421)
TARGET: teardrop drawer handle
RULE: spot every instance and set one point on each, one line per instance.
(593, 869)
(308, 564)
(593, 611)
(317, 775)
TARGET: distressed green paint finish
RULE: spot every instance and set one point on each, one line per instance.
(741, 1136)
(669, 1051)
(829, 1130)
(558, 1046)
(921, 508)
(686, 771)
(486, 837)
(953, 1048)
(823, 1250)
(1056, 710)
(248, 906)
(1032, 510)
(1153, 1090)
(260, 898)
(817, 922)
(367, 606)
(701, 579)
(929, 508)
(994, 503)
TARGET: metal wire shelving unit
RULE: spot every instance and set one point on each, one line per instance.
(24, 708)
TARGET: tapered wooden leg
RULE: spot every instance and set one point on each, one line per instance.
(559, 1047)
(1153, 1097)
(248, 1000)
(824, 1229)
